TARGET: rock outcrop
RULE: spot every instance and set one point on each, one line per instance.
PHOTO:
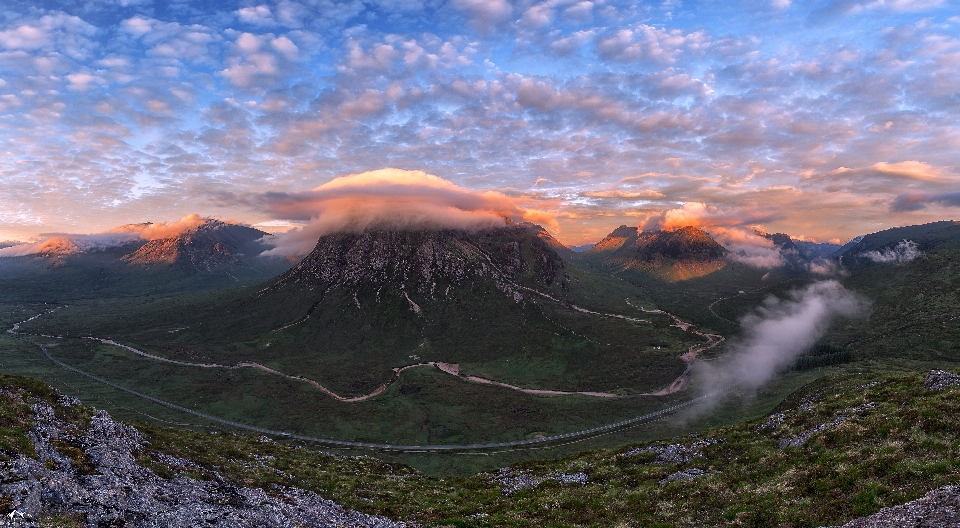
(938, 380)
(94, 475)
(939, 508)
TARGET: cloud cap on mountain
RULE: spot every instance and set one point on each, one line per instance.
(388, 199)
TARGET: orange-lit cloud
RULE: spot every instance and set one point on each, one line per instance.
(389, 199)
(737, 230)
(70, 243)
(158, 231)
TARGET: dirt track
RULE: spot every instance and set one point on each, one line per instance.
(451, 368)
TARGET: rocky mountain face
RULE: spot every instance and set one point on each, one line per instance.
(686, 243)
(791, 254)
(672, 255)
(816, 250)
(210, 245)
(428, 263)
(97, 476)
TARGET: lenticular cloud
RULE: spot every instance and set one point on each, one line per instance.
(386, 199)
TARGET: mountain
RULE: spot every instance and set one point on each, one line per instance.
(581, 248)
(499, 303)
(789, 252)
(910, 274)
(815, 250)
(427, 263)
(671, 255)
(554, 244)
(212, 244)
(898, 244)
(212, 254)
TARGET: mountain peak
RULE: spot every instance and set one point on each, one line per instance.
(687, 243)
(210, 244)
(674, 255)
(427, 262)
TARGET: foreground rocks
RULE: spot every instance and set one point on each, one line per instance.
(938, 380)
(94, 477)
(939, 508)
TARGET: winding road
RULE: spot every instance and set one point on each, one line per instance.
(449, 368)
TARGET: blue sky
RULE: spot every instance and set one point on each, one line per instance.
(822, 119)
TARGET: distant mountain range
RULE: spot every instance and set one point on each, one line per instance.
(211, 254)
(369, 302)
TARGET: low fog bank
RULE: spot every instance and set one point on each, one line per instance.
(779, 331)
(69, 243)
(903, 252)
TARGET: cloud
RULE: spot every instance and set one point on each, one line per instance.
(387, 199)
(70, 243)
(916, 201)
(259, 15)
(903, 252)
(649, 43)
(735, 229)
(624, 195)
(756, 254)
(161, 230)
(705, 217)
(852, 7)
(779, 331)
(485, 15)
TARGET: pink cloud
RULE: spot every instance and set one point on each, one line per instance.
(388, 199)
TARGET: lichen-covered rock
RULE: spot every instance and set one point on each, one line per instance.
(938, 508)
(938, 380)
(686, 474)
(119, 492)
(677, 454)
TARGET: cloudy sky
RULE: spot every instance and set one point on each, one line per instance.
(823, 119)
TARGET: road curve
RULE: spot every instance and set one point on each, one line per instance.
(387, 447)
(449, 368)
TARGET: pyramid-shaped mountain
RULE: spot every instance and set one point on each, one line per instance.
(427, 263)
(210, 245)
(494, 301)
(676, 255)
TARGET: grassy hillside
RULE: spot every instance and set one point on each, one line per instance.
(103, 274)
(841, 447)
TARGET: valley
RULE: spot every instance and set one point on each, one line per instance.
(528, 362)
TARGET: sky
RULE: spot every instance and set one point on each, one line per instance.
(824, 119)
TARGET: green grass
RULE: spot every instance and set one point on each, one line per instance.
(539, 344)
(886, 453)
